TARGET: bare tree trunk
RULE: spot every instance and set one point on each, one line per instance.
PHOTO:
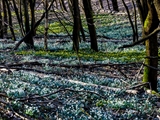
(70, 6)
(18, 17)
(37, 23)
(1, 22)
(21, 16)
(101, 3)
(10, 20)
(62, 4)
(46, 26)
(32, 6)
(82, 30)
(135, 35)
(143, 9)
(150, 24)
(81, 26)
(89, 16)
(26, 16)
(5, 19)
(108, 5)
(29, 41)
(115, 5)
(157, 6)
(55, 4)
(76, 27)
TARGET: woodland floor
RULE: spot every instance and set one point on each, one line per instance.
(50, 86)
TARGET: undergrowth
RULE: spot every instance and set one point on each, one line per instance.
(87, 54)
(87, 96)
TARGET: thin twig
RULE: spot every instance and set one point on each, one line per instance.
(152, 67)
(61, 90)
(139, 85)
(136, 76)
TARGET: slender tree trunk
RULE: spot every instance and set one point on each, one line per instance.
(131, 22)
(151, 62)
(76, 27)
(109, 8)
(46, 26)
(18, 18)
(70, 6)
(26, 16)
(115, 5)
(21, 16)
(10, 20)
(56, 4)
(89, 16)
(82, 30)
(32, 6)
(135, 20)
(5, 19)
(81, 27)
(1, 22)
(101, 3)
(27, 36)
(143, 9)
(29, 41)
(62, 4)
(157, 6)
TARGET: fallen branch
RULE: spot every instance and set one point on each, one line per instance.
(3, 95)
(58, 91)
(65, 65)
(29, 66)
(139, 85)
(20, 64)
(102, 87)
(9, 112)
(139, 71)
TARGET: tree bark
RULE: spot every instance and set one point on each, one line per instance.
(81, 26)
(135, 37)
(10, 20)
(29, 41)
(89, 16)
(109, 8)
(1, 22)
(5, 19)
(150, 24)
(18, 17)
(32, 6)
(26, 16)
(115, 5)
(76, 27)
(62, 4)
(46, 26)
(27, 36)
(101, 3)
(157, 6)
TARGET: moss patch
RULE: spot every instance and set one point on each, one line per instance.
(55, 27)
(88, 54)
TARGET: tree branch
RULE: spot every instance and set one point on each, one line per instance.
(34, 27)
(142, 40)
